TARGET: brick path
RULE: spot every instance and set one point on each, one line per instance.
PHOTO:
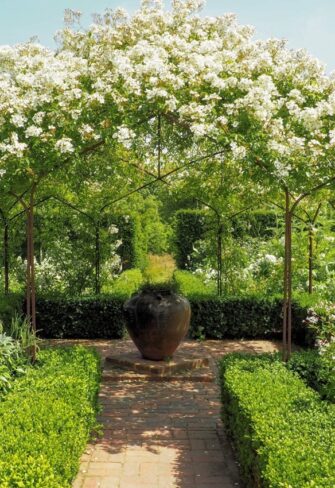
(162, 435)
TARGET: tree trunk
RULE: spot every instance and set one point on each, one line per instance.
(28, 270)
(97, 261)
(219, 262)
(6, 256)
(31, 292)
(287, 306)
(289, 288)
(310, 261)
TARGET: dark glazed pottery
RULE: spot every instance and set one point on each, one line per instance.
(157, 321)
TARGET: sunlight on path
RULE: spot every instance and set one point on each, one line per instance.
(162, 434)
(158, 435)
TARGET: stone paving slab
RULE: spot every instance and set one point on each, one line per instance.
(162, 434)
(112, 374)
(182, 360)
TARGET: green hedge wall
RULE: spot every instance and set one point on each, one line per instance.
(9, 305)
(283, 433)
(245, 317)
(133, 250)
(212, 318)
(46, 420)
(189, 228)
(316, 371)
(81, 318)
(259, 223)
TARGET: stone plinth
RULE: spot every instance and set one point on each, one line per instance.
(132, 362)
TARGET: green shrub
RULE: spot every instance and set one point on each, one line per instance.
(190, 285)
(316, 371)
(133, 249)
(243, 317)
(283, 433)
(127, 283)
(9, 305)
(215, 318)
(88, 317)
(15, 349)
(46, 420)
(212, 317)
(189, 228)
(81, 318)
(12, 361)
(159, 268)
(258, 224)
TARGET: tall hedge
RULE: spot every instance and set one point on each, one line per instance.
(133, 249)
(189, 228)
(259, 223)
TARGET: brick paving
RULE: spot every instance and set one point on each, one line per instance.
(162, 434)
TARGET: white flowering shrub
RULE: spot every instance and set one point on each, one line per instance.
(159, 89)
(321, 319)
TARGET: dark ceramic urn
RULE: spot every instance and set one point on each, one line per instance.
(157, 321)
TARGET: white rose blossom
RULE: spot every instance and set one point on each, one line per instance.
(64, 145)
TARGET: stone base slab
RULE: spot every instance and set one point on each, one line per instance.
(201, 376)
(132, 362)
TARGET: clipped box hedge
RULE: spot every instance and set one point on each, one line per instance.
(46, 420)
(216, 318)
(244, 317)
(247, 317)
(97, 317)
(81, 318)
(316, 371)
(213, 317)
(10, 304)
(283, 433)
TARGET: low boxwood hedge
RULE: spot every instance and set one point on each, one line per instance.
(239, 317)
(316, 371)
(212, 317)
(283, 433)
(244, 317)
(97, 317)
(216, 318)
(81, 318)
(46, 420)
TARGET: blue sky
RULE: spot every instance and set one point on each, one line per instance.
(304, 23)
